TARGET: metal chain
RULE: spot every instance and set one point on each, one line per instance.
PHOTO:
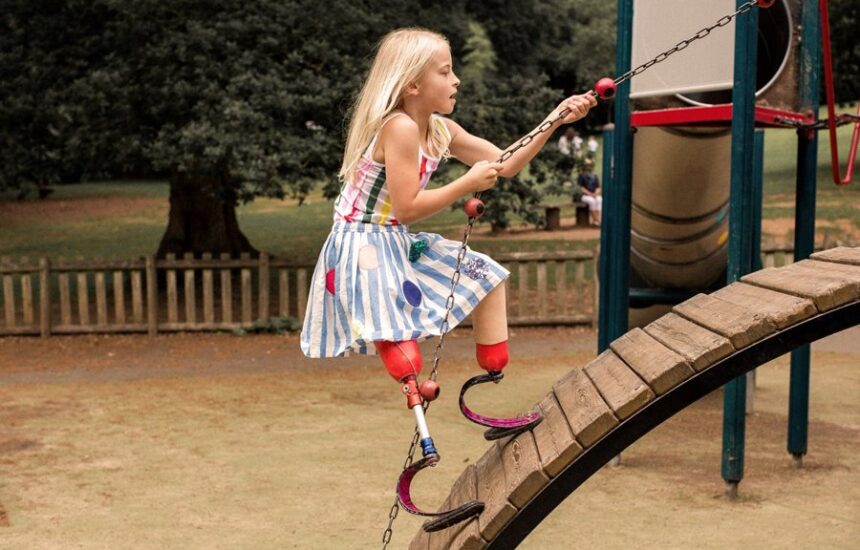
(683, 44)
(840, 120)
(523, 142)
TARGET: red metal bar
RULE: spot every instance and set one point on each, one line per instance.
(714, 115)
(831, 110)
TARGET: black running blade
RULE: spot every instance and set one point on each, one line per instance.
(455, 516)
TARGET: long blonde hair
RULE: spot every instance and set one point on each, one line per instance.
(401, 58)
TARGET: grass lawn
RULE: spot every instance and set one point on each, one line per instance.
(121, 219)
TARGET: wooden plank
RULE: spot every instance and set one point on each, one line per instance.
(698, 345)
(841, 254)
(172, 298)
(136, 296)
(44, 297)
(27, 303)
(226, 293)
(825, 292)
(469, 538)
(283, 292)
(541, 288)
(555, 442)
(522, 290)
(83, 299)
(543, 256)
(190, 292)
(119, 297)
(65, 299)
(465, 489)
(491, 491)
(561, 305)
(524, 475)
(660, 367)
(151, 296)
(263, 294)
(579, 284)
(620, 387)
(9, 300)
(246, 292)
(783, 310)
(208, 293)
(301, 292)
(740, 325)
(588, 415)
(832, 269)
(101, 299)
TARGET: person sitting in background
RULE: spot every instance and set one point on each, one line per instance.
(589, 186)
(570, 144)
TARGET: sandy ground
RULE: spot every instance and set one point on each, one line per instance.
(215, 441)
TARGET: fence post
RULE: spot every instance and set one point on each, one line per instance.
(45, 296)
(263, 274)
(151, 296)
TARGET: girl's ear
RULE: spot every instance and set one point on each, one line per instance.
(411, 89)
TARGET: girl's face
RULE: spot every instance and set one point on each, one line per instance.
(438, 85)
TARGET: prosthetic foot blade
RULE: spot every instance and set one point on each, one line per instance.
(499, 427)
(455, 516)
(440, 520)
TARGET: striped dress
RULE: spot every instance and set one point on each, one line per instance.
(375, 280)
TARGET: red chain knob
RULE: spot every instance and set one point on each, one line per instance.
(765, 3)
(474, 208)
(429, 390)
(605, 88)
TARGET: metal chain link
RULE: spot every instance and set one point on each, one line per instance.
(523, 142)
(683, 44)
(840, 120)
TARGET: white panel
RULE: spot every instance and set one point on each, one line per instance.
(706, 65)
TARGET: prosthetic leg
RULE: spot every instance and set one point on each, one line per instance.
(493, 358)
(403, 362)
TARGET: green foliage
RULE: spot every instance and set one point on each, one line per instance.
(844, 22)
(252, 94)
(272, 325)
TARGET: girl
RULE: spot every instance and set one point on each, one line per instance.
(377, 287)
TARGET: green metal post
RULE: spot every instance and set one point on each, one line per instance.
(804, 222)
(615, 234)
(604, 267)
(741, 215)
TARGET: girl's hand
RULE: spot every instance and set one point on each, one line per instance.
(578, 105)
(483, 175)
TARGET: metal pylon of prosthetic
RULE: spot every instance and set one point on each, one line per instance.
(474, 207)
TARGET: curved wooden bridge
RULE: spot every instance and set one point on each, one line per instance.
(646, 376)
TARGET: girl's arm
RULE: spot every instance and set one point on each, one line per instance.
(399, 143)
(469, 149)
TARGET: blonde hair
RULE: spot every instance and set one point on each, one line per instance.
(401, 58)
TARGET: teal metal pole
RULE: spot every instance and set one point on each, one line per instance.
(758, 199)
(804, 221)
(604, 267)
(615, 234)
(741, 216)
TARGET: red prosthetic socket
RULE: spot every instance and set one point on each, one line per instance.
(403, 362)
(401, 359)
(492, 358)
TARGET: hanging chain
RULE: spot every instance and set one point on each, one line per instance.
(461, 255)
(683, 44)
(840, 120)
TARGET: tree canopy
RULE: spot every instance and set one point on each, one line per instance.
(234, 99)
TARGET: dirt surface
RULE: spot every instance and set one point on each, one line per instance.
(202, 441)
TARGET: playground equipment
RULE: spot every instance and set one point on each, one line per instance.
(642, 379)
(744, 205)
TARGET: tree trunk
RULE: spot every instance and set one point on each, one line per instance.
(202, 219)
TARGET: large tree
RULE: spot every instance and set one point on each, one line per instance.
(232, 99)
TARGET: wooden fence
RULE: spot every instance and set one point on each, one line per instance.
(152, 295)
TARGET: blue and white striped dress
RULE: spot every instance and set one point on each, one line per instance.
(374, 280)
